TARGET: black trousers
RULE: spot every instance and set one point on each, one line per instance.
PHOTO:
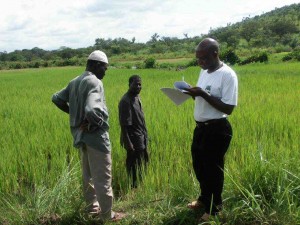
(134, 162)
(210, 142)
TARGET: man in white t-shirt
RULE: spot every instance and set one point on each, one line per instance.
(215, 97)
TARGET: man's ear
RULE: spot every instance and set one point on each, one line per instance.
(215, 54)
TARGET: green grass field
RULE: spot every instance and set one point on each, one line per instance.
(40, 176)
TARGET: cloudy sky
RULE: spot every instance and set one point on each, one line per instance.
(51, 24)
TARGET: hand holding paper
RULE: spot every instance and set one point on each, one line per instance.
(177, 94)
(181, 85)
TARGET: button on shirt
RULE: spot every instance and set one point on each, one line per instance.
(222, 84)
(85, 97)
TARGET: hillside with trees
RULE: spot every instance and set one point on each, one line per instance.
(277, 30)
(250, 40)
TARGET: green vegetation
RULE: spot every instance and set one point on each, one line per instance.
(40, 175)
(292, 55)
(272, 32)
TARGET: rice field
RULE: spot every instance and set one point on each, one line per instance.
(40, 175)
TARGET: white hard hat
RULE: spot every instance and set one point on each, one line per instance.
(98, 56)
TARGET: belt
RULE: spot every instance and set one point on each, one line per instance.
(209, 122)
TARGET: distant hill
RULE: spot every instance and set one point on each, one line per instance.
(277, 29)
(274, 31)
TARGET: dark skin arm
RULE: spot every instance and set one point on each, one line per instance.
(213, 101)
(127, 143)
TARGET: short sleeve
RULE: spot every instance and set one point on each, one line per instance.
(230, 89)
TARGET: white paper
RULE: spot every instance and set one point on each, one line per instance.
(181, 85)
(176, 95)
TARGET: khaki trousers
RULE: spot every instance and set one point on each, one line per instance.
(96, 175)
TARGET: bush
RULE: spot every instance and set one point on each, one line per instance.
(45, 64)
(36, 65)
(229, 56)
(262, 57)
(193, 62)
(292, 55)
(282, 48)
(139, 65)
(149, 63)
(17, 65)
(163, 65)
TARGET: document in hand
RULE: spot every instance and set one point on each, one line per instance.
(178, 94)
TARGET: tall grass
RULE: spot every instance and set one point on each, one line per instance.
(39, 167)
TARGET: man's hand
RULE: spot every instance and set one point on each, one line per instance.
(195, 91)
(130, 148)
(84, 126)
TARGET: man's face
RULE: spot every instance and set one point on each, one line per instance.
(206, 60)
(135, 86)
(100, 69)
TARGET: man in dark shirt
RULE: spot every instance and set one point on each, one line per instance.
(133, 129)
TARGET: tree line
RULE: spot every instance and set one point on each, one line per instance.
(272, 32)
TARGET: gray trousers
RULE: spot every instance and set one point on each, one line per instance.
(96, 175)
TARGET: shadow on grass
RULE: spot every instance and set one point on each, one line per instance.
(74, 219)
(186, 217)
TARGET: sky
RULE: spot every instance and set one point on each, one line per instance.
(52, 24)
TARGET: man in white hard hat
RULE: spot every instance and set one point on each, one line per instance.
(83, 99)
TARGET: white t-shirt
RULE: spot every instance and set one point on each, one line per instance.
(222, 84)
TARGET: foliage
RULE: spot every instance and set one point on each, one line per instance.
(262, 57)
(149, 63)
(277, 30)
(164, 65)
(292, 55)
(229, 56)
(277, 26)
(193, 62)
(281, 27)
